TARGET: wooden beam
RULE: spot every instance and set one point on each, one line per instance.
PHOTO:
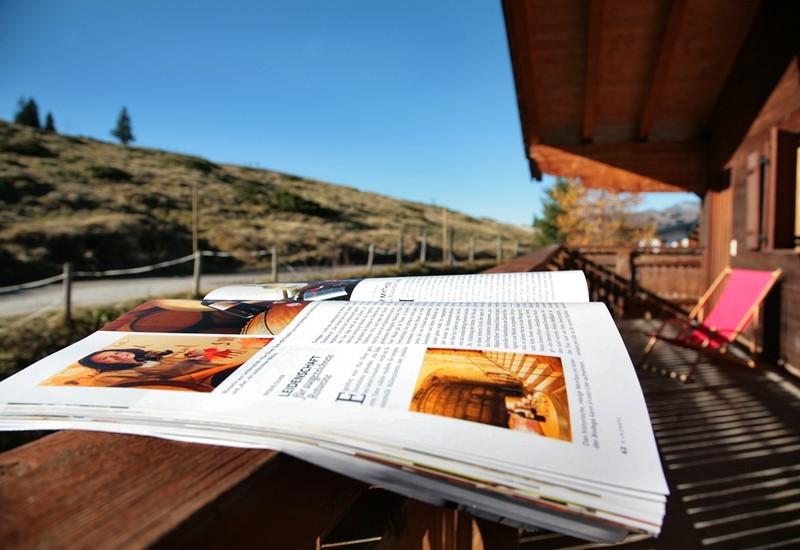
(634, 167)
(770, 46)
(594, 44)
(521, 38)
(90, 489)
(665, 57)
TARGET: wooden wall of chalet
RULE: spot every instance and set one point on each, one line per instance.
(755, 158)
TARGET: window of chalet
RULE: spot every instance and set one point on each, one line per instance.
(773, 194)
(784, 180)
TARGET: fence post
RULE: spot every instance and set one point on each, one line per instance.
(67, 284)
(499, 251)
(445, 246)
(451, 239)
(370, 257)
(471, 249)
(400, 248)
(274, 253)
(423, 247)
(198, 260)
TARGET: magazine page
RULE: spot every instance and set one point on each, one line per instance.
(163, 344)
(376, 372)
(543, 286)
(504, 382)
(538, 286)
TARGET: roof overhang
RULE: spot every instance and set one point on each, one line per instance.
(630, 167)
(643, 95)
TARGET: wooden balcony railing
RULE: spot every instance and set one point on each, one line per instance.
(608, 273)
(85, 489)
(671, 273)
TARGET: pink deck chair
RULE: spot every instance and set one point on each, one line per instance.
(720, 331)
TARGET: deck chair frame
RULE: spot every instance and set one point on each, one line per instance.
(694, 322)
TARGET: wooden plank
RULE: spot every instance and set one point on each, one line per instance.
(665, 57)
(519, 39)
(412, 525)
(87, 489)
(635, 167)
(771, 44)
(594, 46)
(494, 535)
(702, 60)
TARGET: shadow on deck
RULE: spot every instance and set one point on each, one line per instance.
(730, 446)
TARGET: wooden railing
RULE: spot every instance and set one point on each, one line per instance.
(625, 296)
(85, 489)
(671, 273)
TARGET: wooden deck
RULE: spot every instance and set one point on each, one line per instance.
(730, 446)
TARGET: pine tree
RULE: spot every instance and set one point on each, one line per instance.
(27, 113)
(49, 123)
(123, 131)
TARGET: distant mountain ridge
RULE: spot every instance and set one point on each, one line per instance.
(101, 205)
(673, 222)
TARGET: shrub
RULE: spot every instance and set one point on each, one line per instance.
(109, 173)
(197, 163)
(27, 147)
(14, 188)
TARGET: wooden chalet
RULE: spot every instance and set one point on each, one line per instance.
(682, 95)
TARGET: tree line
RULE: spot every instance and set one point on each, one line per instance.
(576, 216)
(27, 114)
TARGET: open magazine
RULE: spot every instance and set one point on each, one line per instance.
(509, 395)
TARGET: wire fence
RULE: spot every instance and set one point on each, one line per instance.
(68, 276)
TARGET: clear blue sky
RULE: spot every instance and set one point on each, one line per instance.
(413, 99)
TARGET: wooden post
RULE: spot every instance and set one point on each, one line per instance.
(634, 275)
(499, 251)
(195, 217)
(515, 250)
(471, 249)
(274, 252)
(370, 257)
(67, 285)
(423, 247)
(445, 246)
(198, 259)
(451, 239)
(400, 248)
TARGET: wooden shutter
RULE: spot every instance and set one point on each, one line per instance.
(753, 200)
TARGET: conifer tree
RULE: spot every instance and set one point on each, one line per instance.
(123, 131)
(27, 113)
(49, 123)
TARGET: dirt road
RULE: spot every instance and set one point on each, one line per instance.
(106, 291)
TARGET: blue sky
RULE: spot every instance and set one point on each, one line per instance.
(413, 99)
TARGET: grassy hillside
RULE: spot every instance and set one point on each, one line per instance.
(102, 205)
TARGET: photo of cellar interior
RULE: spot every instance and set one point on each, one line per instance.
(518, 391)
